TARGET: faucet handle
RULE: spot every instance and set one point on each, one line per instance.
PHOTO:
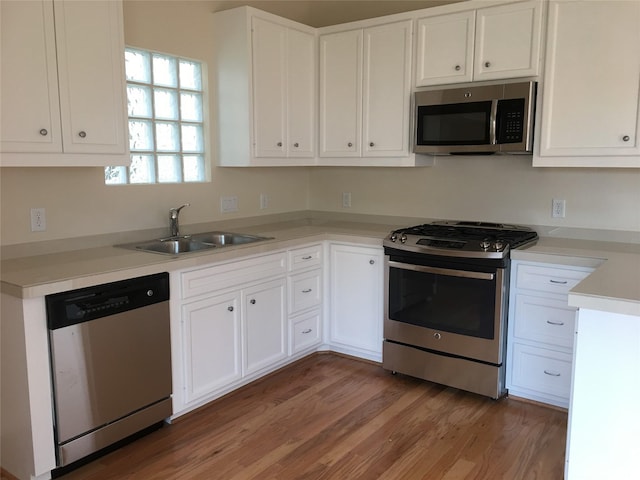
(175, 211)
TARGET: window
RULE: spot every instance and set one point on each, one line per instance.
(166, 120)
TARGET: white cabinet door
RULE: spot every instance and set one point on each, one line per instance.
(507, 43)
(211, 344)
(356, 279)
(387, 89)
(591, 101)
(63, 84)
(265, 325)
(341, 94)
(301, 94)
(91, 73)
(269, 88)
(445, 49)
(30, 108)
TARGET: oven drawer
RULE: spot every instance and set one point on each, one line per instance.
(549, 279)
(544, 319)
(541, 371)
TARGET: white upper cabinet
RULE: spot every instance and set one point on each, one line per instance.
(445, 49)
(63, 84)
(266, 89)
(591, 103)
(486, 44)
(341, 94)
(365, 91)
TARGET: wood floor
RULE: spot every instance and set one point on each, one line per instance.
(331, 417)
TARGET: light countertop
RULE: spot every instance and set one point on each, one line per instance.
(614, 285)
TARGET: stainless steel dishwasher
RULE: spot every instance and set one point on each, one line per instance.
(111, 365)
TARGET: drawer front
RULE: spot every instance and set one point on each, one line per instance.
(305, 291)
(228, 275)
(305, 257)
(544, 371)
(305, 331)
(542, 319)
(549, 279)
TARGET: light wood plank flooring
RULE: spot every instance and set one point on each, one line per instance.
(331, 417)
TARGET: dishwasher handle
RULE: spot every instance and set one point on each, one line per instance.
(90, 303)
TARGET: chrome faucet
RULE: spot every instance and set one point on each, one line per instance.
(174, 226)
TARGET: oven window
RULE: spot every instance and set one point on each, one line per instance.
(454, 124)
(459, 305)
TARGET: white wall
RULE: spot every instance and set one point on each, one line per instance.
(496, 188)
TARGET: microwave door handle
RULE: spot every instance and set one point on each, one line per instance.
(492, 122)
(442, 271)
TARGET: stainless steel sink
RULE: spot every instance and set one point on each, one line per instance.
(193, 243)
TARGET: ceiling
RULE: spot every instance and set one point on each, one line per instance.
(320, 13)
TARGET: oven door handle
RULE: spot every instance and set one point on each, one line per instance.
(443, 271)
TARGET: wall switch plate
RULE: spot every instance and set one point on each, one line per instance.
(558, 208)
(229, 204)
(38, 220)
(346, 199)
(264, 201)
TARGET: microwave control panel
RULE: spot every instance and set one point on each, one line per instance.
(510, 128)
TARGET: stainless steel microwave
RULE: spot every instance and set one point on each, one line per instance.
(475, 120)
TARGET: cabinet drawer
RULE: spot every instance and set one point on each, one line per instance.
(549, 279)
(540, 370)
(305, 291)
(305, 331)
(305, 257)
(226, 275)
(542, 319)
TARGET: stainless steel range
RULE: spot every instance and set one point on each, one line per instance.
(446, 302)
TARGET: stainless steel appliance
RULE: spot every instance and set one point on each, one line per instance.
(111, 364)
(475, 120)
(446, 302)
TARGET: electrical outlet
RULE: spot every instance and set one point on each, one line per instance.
(264, 201)
(229, 204)
(346, 199)
(38, 220)
(558, 207)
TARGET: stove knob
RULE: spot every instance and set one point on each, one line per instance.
(393, 237)
(499, 245)
(485, 244)
(403, 238)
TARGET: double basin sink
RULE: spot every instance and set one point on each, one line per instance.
(193, 243)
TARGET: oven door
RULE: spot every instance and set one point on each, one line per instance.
(446, 307)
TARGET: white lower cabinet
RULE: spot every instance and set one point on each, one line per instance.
(541, 331)
(356, 300)
(264, 325)
(211, 333)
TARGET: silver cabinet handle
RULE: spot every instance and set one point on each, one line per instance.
(296, 144)
(626, 138)
(44, 132)
(551, 374)
(558, 282)
(279, 144)
(230, 309)
(82, 134)
(308, 257)
(252, 301)
(308, 330)
(458, 67)
(371, 144)
(371, 262)
(487, 64)
(308, 290)
(349, 144)
(555, 323)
